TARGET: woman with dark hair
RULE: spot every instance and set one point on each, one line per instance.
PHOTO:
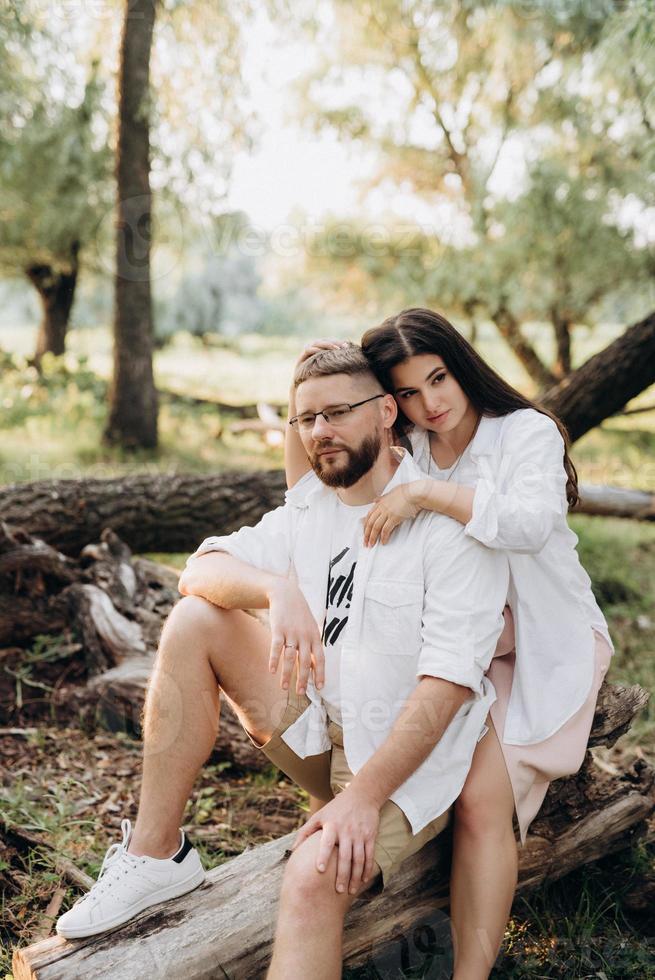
(499, 464)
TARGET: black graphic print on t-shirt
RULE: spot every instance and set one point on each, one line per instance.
(339, 595)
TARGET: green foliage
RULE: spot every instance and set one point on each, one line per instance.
(56, 170)
(65, 388)
(522, 128)
(45, 650)
(569, 256)
(221, 298)
(620, 558)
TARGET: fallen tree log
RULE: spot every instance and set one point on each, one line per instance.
(602, 501)
(225, 928)
(247, 411)
(150, 513)
(174, 513)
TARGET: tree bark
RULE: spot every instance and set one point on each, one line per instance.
(108, 610)
(562, 329)
(607, 381)
(132, 420)
(56, 291)
(510, 330)
(150, 513)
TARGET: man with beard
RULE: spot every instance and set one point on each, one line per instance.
(381, 697)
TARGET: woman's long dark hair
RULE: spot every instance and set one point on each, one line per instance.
(419, 331)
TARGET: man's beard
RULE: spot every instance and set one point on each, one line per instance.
(360, 461)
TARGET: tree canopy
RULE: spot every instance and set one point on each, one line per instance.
(524, 134)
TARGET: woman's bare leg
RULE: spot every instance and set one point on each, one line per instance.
(485, 862)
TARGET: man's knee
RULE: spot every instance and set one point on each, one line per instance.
(194, 618)
(303, 886)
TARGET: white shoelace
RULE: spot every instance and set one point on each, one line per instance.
(117, 862)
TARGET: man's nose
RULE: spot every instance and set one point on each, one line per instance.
(321, 428)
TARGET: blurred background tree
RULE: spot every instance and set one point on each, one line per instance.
(452, 99)
(507, 152)
(55, 167)
(133, 401)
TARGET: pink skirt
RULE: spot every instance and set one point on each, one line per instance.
(532, 767)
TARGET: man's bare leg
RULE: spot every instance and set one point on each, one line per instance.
(202, 647)
(485, 861)
(309, 934)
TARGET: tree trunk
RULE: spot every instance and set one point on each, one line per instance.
(132, 418)
(56, 291)
(607, 381)
(470, 309)
(562, 328)
(510, 330)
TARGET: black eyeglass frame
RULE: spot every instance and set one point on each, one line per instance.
(293, 422)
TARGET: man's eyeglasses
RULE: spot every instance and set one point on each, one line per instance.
(333, 416)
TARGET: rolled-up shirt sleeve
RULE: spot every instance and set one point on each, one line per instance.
(265, 546)
(517, 502)
(465, 591)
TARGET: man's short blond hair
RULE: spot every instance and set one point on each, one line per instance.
(340, 360)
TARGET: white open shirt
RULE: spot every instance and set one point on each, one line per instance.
(515, 464)
(427, 603)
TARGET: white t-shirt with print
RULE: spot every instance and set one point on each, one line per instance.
(347, 539)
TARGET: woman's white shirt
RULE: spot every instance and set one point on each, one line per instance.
(515, 465)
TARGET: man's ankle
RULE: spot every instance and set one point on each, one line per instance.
(155, 845)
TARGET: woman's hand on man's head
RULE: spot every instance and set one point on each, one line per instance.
(323, 343)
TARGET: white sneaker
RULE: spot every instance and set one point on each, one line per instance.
(128, 884)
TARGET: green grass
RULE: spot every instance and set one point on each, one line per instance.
(619, 556)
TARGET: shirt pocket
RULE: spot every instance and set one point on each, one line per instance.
(393, 613)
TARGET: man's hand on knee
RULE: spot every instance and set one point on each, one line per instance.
(350, 823)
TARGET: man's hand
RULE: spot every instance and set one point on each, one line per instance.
(294, 634)
(349, 822)
(391, 509)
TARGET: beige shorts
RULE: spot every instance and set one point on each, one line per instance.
(327, 774)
